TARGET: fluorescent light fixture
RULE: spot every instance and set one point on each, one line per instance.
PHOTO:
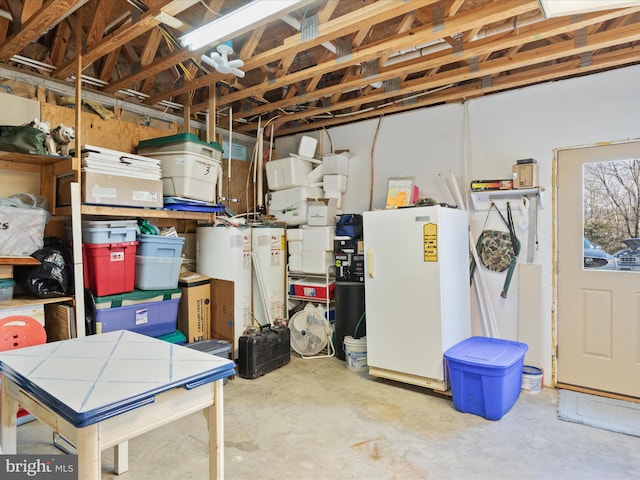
(235, 22)
(559, 8)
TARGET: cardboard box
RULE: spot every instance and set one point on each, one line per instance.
(194, 312)
(60, 322)
(116, 190)
(322, 211)
(349, 267)
(525, 175)
(222, 314)
(6, 271)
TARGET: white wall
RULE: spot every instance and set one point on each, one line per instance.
(501, 128)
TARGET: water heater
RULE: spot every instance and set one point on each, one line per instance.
(269, 272)
(224, 252)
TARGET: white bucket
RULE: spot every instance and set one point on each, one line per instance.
(356, 353)
(531, 379)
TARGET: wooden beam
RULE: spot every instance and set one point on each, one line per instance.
(520, 60)
(473, 49)
(495, 12)
(60, 43)
(49, 14)
(124, 34)
(99, 22)
(372, 14)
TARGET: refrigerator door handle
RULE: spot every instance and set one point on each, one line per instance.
(370, 262)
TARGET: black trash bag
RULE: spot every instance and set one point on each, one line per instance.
(54, 277)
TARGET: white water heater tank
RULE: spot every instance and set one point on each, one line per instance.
(268, 246)
(224, 252)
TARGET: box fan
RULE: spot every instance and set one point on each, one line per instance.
(311, 333)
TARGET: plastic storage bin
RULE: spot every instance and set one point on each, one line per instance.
(221, 348)
(190, 175)
(152, 319)
(112, 231)
(159, 246)
(180, 142)
(290, 205)
(485, 375)
(6, 288)
(156, 273)
(176, 337)
(109, 267)
(287, 172)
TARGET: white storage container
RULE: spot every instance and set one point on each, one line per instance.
(307, 147)
(295, 263)
(316, 261)
(290, 205)
(190, 175)
(294, 234)
(337, 196)
(335, 163)
(180, 142)
(318, 238)
(287, 172)
(294, 247)
(334, 183)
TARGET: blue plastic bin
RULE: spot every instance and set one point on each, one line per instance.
(485, 375)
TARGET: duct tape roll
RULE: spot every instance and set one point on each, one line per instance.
(532, 379)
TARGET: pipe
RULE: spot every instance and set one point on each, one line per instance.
(259, 166)
(492, 327)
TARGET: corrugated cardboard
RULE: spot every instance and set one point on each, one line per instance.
(103, 189)
(321, 211)
(6, 271)
(222, 320)
(194, 311)
(525, 175)
(59, 322)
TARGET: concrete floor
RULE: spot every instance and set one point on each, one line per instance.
(314, 419)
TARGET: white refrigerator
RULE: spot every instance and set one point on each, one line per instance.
(417, 291)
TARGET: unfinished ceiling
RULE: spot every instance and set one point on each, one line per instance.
(325, 63)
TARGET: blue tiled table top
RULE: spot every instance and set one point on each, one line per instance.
(87, 380)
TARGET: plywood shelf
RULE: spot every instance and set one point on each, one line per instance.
(21, 260)
(15, 157)
(101, 210)
(24, 300)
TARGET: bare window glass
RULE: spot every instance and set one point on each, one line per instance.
(612, 215)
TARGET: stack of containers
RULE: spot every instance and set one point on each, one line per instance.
(191, 168)
(158, 262)
(292, 181)
(109, 252)
(151, 312)
(335, 171)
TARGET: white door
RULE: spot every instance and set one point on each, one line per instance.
(598, 303)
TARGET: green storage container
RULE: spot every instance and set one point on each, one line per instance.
(136, 297)
(176, 337)
(6, 288)
(181, 142)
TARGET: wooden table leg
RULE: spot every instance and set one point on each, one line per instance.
(121, 458)
(88, 445)
(8, 430)
(215, 421)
